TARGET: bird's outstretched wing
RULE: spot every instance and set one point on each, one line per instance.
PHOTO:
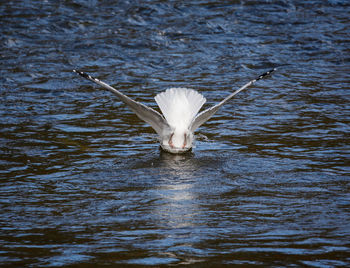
(202, 117)
(147, 114)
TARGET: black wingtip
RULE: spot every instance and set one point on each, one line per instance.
(82, 74)
(267, 73)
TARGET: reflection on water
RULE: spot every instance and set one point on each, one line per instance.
(179, 207)
(174, 188)
(82, 179)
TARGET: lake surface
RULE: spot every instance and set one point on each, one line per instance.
(83, 182)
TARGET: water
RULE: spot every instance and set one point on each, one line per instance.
(83, 182)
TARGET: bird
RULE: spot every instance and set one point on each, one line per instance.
(179, 117)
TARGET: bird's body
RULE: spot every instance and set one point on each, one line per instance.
(180, 107)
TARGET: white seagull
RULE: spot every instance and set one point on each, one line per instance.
(180, 107)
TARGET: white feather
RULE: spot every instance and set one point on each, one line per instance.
(180, 106)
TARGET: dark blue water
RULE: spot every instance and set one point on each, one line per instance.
(83, 182)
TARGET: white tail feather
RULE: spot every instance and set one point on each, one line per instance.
(180, 106)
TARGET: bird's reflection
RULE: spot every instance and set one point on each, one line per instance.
(177, 181)
(179, 207)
